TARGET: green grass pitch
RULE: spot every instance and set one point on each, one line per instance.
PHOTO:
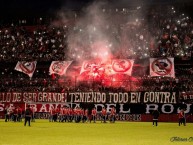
(43, 132)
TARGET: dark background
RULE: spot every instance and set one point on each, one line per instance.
(33, 8)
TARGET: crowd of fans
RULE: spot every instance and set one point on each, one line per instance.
(159, 34)
(32, 43)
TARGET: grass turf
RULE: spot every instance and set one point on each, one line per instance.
(43, 132)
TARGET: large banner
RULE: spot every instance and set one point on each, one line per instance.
(91, 97)
(120, 108)
(131, 106)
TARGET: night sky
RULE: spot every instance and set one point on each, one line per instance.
(22, 8)
(27, 8)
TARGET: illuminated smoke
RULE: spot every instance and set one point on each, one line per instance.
(91, 36)
(104, 31)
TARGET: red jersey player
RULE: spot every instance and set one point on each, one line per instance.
(94, 113)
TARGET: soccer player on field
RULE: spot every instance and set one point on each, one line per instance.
(82, 114)
(76, 114)
(71, 114)
(57, 111)
(155, 114)
(182, 119)
(15, 114)
(94, 113)
(28, 115)
(7, 113)
(65, 114)
(19, 118)
(61, 114)
(113, 112)
(52, 112)
(33, 114)
(104, 114)
(85, 115)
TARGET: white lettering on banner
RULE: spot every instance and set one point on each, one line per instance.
(34, 107)
(116, 98)
(187, 108)
(122, 109)
(133, 117)
(43, 108)
(76, 98)
(110, 97)
(2, 107)
(51, 97)
(121, 117)
(91, 97)
(44, 97)
(127, 117)
(120, 97)
(135, 97)
(159, 97)
(125, 98)
(11, 105)
(5, 97)
(56, 105)
(27, 97)
(164, 108)
(150, 107)
(16, 97)
(88, 97)
(74, 105)
(108, 107)
(99, 107)
(51, 106)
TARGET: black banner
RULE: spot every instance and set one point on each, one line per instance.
(92, 97)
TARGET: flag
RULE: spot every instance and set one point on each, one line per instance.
(59, 67)
(162, 67)
(26, 67)
(90, 66)
(122, 66)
